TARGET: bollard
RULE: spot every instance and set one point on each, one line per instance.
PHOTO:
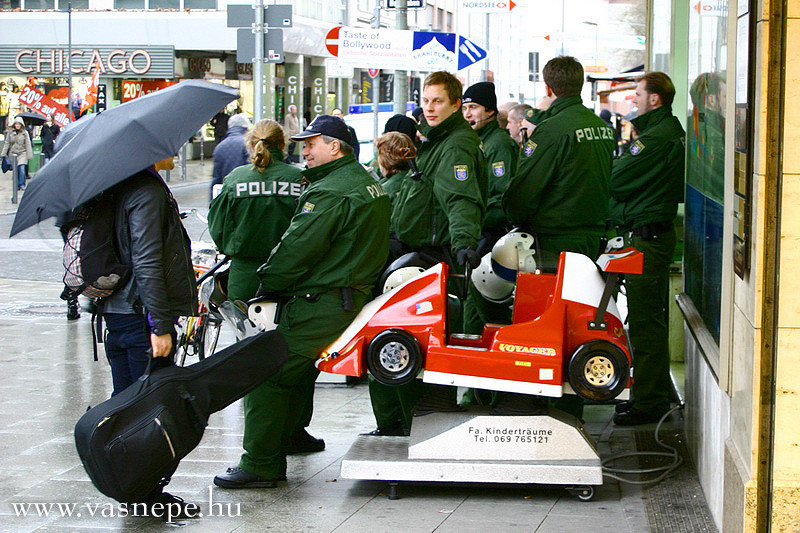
(14, 178)
(182, 158)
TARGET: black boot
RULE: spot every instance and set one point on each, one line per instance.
(512, 404)
(73, 310)
(437, 399)
(302, 442)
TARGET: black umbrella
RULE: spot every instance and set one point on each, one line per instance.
(116, 144)
(32, 119)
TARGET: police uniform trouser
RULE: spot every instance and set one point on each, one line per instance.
(243, 284)
(393, 404)
(588, 245)
(648, 294)
(274, 409)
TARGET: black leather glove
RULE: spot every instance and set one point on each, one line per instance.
(465, 255)
(264, 294)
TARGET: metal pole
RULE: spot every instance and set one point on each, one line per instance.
(488, 55)
(258, 68)
(376, 93)
(14, 179)
(401, 76)
(70, 116)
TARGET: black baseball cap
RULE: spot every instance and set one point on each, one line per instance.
(326, 125)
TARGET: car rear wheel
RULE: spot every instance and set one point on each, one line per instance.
(394, 357)
(598, 371)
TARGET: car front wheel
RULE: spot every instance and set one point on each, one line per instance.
(394, 357)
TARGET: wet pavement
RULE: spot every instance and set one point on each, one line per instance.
(48, 379)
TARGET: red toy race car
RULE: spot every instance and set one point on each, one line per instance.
(566, 334)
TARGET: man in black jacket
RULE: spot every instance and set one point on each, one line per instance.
(140, 317)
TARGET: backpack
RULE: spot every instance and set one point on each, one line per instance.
(92, 265)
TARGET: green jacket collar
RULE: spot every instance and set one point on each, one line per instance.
(488, 129)
(277, 155)
(560, 104)
(433, 133)
(651, 118)
(317, 173)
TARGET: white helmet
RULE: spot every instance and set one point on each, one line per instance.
(400, 276)
(513, 253)
(263, 314)
(489, 284)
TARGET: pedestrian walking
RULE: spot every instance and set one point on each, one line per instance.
(50, 131)
(323, 270)
(231, 152)
(647, 183)
(17, 142)
(220, 124)
(292, 126)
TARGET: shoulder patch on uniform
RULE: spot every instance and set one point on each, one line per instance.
(499, 169)
(530, 147)
(637, 147)
(308, 207)
(461, 172)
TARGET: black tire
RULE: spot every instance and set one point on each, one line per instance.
(598, 371)
(394, 357)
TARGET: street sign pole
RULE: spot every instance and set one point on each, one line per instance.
(258, 67)
(401, 76)
(376, 93)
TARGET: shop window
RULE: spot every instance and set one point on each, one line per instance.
(200, 4)
(40, 4)
(76, 4)
(128, 4)
(705, 163)
(10, 4)
(165, 4)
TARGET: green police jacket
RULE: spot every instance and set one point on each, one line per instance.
(447, 204)
(501, 161)
(338, 237)
(647, 181)
(561, 182)
(392, 184)
(254, 208)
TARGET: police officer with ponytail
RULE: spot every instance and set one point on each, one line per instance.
(254, 208)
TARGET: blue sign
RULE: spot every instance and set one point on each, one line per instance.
(468, 52)
(434, 50)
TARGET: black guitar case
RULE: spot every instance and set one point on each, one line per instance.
(132, 443)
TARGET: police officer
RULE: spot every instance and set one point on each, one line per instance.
(515, 116)
(323, 268)
(560, 190)
(440, 214)
(396, 167)
(254, 208)
(480, 111)
(647, 183)
(246, 221)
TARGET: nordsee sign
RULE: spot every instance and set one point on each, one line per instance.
(401, 49)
